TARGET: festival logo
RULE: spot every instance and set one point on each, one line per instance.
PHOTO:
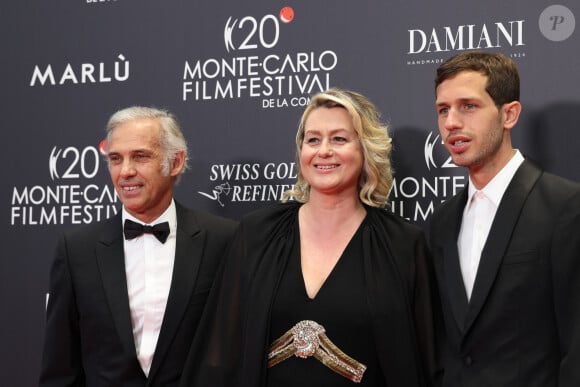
(431, 144)
(415, 198)
(73, 198)
(254, 65)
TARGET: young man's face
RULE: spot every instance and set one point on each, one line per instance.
(471, 125)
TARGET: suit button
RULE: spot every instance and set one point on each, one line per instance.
(468, 361)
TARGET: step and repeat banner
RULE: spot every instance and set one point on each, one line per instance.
(238, 75)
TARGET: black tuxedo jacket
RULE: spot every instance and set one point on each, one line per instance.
(521, 327)
(89, 338)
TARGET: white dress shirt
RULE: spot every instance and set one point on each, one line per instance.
(478, 216)
(149, 268)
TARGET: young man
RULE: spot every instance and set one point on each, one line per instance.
(125, 300)
(507, 248)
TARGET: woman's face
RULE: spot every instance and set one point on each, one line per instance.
(331, 157)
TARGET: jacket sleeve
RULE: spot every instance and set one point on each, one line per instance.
(427, 314)
(61, 358)
(214, 355)
(565, 257)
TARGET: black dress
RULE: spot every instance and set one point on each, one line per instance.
(340, 306)
(233, 338)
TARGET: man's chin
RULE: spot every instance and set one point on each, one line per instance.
(132, 206)
(460, 161)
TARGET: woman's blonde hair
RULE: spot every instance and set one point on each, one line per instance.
(376, 177)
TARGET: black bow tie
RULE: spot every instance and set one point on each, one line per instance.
(134, 229)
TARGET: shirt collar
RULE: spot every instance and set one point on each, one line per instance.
(495, 189)
(169, 215)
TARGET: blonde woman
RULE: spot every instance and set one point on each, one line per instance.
(327, 288)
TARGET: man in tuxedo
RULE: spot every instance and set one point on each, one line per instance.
(126, 294)
(506, 248)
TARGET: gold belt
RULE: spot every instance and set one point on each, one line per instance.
(308, 338)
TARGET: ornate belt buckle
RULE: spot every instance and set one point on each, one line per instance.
(306, 339)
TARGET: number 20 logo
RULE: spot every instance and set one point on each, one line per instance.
(256, 32)
(76, 161)
(250, 27)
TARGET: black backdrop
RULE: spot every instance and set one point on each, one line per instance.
(237, 75)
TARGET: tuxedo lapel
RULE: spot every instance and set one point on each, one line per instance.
(188, 255)
(453, 278)
(111, 262)
(500, 235)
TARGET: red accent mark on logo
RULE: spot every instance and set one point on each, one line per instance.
(103, 147)
(286, 14)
